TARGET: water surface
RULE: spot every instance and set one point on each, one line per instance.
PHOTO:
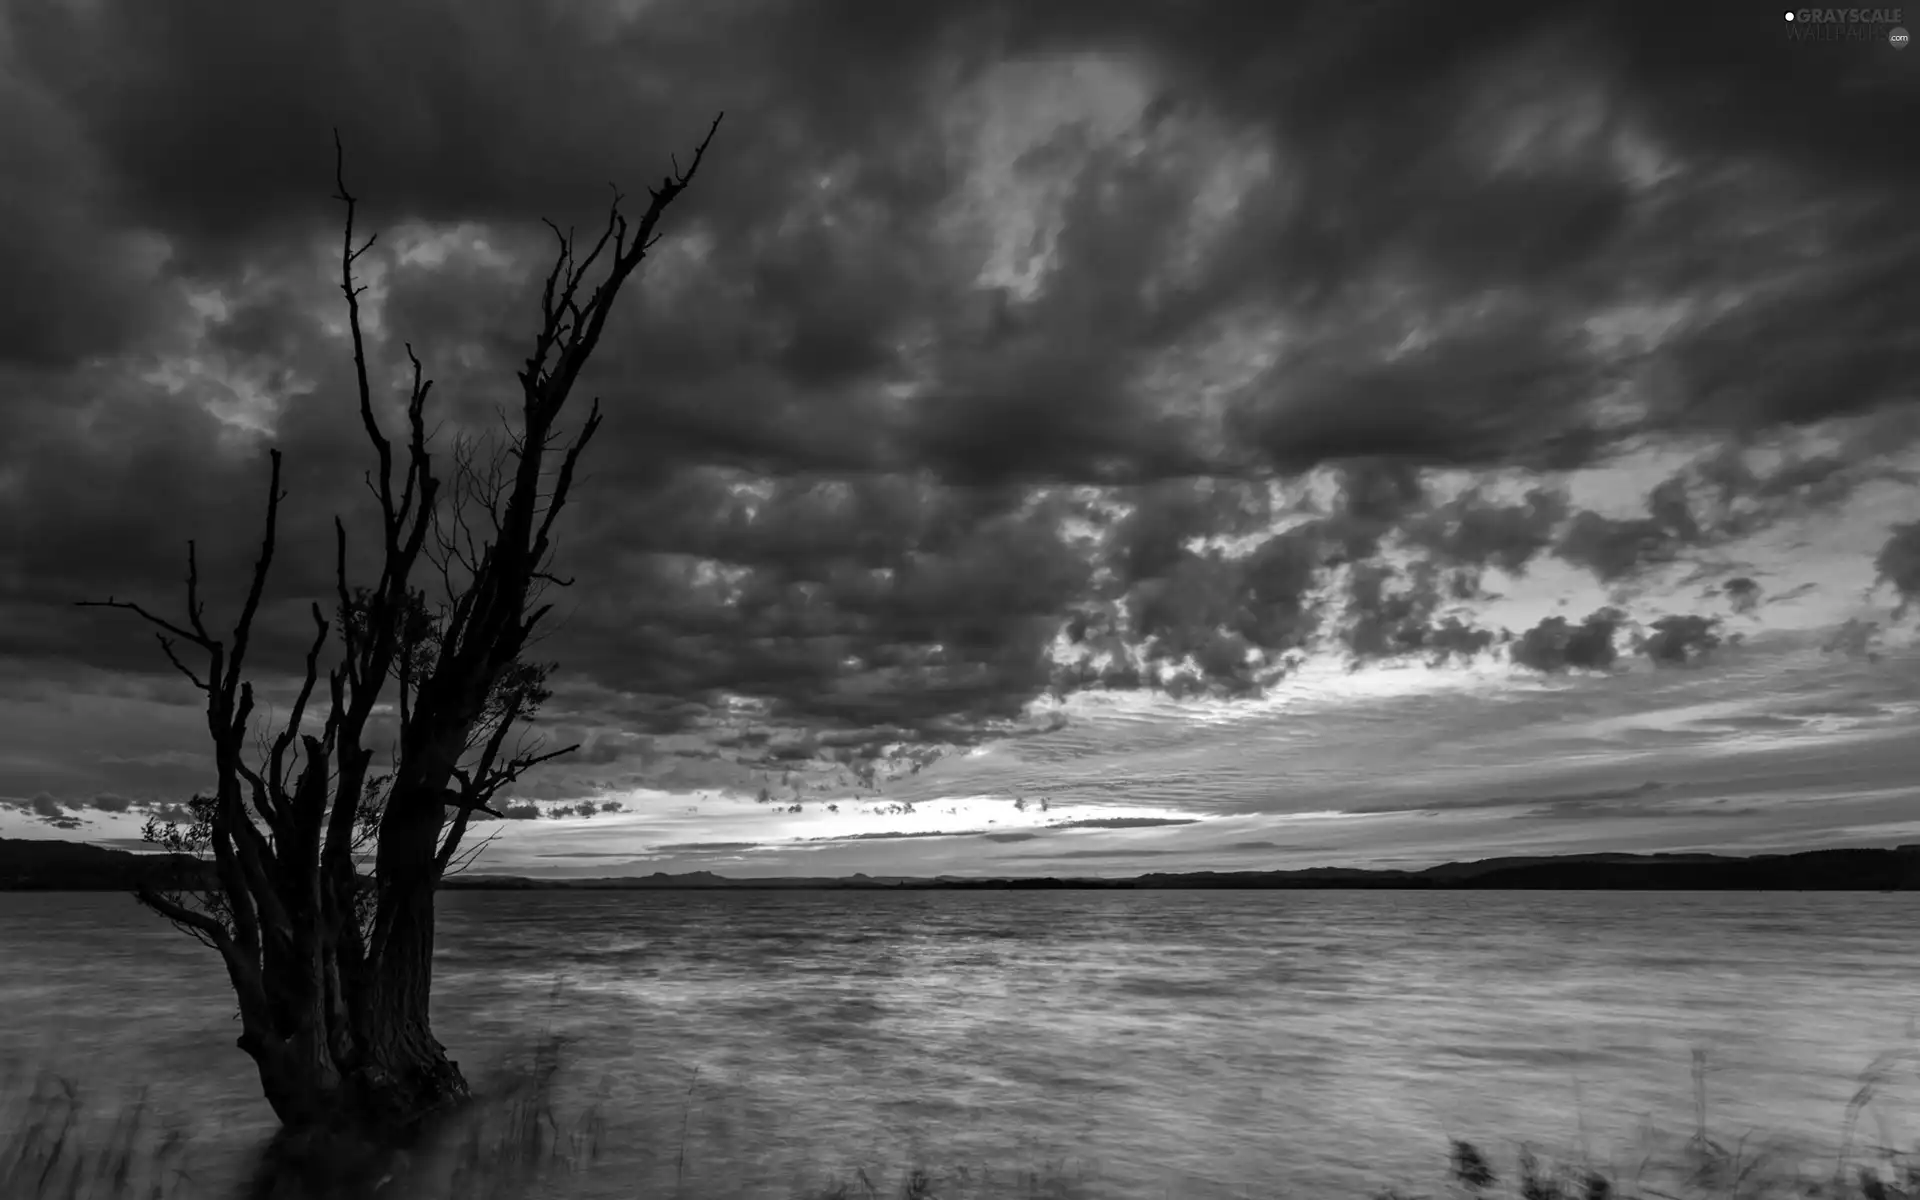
(1188, 1043)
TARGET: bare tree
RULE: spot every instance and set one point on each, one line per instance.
(323, 874)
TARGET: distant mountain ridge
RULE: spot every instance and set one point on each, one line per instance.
(37, 865)
(1867, 870)
(33, 865)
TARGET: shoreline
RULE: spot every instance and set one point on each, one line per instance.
(57, 866)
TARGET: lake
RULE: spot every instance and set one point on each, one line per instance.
(1167, 1043)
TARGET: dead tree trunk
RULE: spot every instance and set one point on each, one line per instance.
(332, 964)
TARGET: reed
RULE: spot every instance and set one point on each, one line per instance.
(514, 1143)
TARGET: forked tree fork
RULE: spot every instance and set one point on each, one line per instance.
(332, 963)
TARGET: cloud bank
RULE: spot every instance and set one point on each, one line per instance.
(1004, 354)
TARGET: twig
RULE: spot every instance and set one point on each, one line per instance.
(686, 1118)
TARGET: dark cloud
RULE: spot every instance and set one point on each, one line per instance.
(1677, 639)
(1898, 563)
(680, 846)
(1760, 721)
(74, 292)
(1473, 531)
(1736, 489)
(1615, 549)
(45, 808)
(1151, 541)
(1392, 614)
(1749, 483)
(602, 747)
(1855, 638)
(1555, 644)
(1121, 822)
(1794, 593)
(1510, 395)
(847, 477)
(1743, 593)
(1376, 496)
(1757, 366)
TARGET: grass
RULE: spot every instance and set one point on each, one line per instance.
(514, 1144)
(508, 1146)
(1704, 1168)
(1710, 1173)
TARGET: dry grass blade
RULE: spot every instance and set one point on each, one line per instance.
(516, 1143)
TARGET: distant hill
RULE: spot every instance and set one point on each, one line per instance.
(29, 865)
(1871, 870)
(34, 865)
(1857, 870)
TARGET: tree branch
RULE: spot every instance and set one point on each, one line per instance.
(565, 482)
(181, 915)
(243, 628)
(242, 969)
(456, 798)
(281, 743)
(184, 635)
(166, 645)
(196, 609)
(454, 864)
(348, 256)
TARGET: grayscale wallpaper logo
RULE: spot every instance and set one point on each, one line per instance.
(1848, 25)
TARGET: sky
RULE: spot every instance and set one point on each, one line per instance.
(1079, 438)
